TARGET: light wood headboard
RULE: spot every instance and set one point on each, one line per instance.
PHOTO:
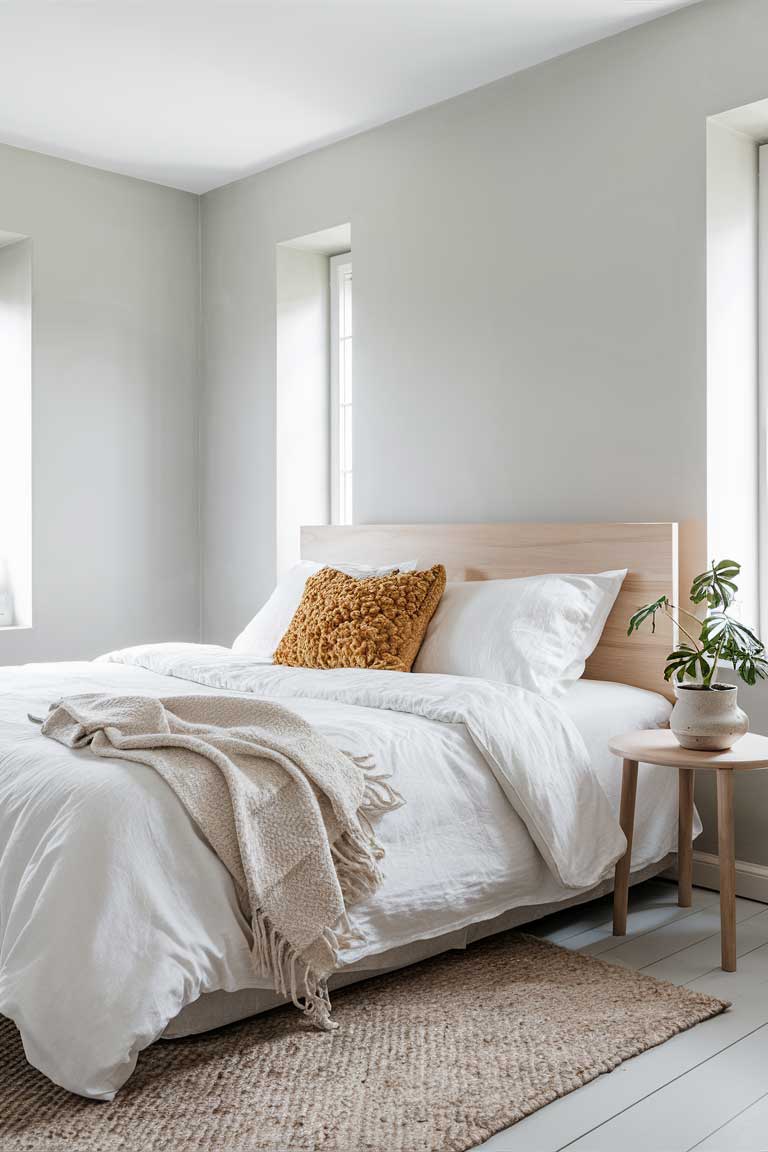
(495, 551)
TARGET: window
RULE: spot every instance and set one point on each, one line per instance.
(732, 402)
(15, 431)
(341, 389)
(313, 329)
(762, 359)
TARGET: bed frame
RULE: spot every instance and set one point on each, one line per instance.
(650, 552)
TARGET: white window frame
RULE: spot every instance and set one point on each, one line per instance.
(734, 488)
(762, 386)
(340, 272)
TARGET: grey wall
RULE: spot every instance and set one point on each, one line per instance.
(529, 298)
(115, 383)
(530, 304)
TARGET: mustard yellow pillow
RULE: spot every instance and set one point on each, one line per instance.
(379, 622)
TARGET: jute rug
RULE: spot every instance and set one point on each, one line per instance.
(435, 1058)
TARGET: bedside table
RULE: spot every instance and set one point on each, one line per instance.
(658, 746)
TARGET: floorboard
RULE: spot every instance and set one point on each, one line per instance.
(647, 917)
(680, 933)
(752, 973)
(691, 1108)
(689, 963)
(745, 1133)
(597, 916)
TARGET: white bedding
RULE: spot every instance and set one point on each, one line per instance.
(115, 914)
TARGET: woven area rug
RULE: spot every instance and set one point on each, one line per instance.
(434, 1058)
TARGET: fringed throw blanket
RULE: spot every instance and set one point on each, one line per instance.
(286, 813)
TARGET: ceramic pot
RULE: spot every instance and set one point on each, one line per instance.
(707, 719)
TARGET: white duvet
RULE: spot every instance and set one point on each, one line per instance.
(115, 914)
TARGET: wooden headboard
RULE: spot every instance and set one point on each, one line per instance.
(494, 551)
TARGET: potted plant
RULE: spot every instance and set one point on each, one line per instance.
(706, 715)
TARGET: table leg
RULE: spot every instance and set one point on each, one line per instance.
(685, 780)
(627, 821)
(726, 849)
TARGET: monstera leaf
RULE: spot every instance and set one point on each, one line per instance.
(716, 585)
(686, 661)
(751, 666)
(643, 614)
(719, 630)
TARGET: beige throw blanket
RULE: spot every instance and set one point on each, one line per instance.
(286, 813)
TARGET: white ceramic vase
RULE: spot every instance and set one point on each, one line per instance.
(707, 719)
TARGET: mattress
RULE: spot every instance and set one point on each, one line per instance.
(599, 711)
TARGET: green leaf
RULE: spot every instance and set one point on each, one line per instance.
(716, 585)
(720, 629)
(686, 662)
(751, 668)
(644, 613)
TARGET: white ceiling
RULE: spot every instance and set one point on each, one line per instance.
(196, 93)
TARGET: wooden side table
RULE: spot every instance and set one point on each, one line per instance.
(658, 746)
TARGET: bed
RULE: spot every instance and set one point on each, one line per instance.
(115, 911)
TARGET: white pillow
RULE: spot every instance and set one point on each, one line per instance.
(262, 636)
(536, 632)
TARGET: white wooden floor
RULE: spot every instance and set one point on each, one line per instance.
(706, 1088)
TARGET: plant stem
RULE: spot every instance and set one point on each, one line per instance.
(685, 612)
(679, 625)
(709, 680)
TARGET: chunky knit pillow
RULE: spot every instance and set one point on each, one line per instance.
(378, 622)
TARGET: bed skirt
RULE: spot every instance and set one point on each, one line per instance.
(216, 1009)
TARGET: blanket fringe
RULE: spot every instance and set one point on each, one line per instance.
(355, 855)
(275, 957)
(356, 852)
(379, 796)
